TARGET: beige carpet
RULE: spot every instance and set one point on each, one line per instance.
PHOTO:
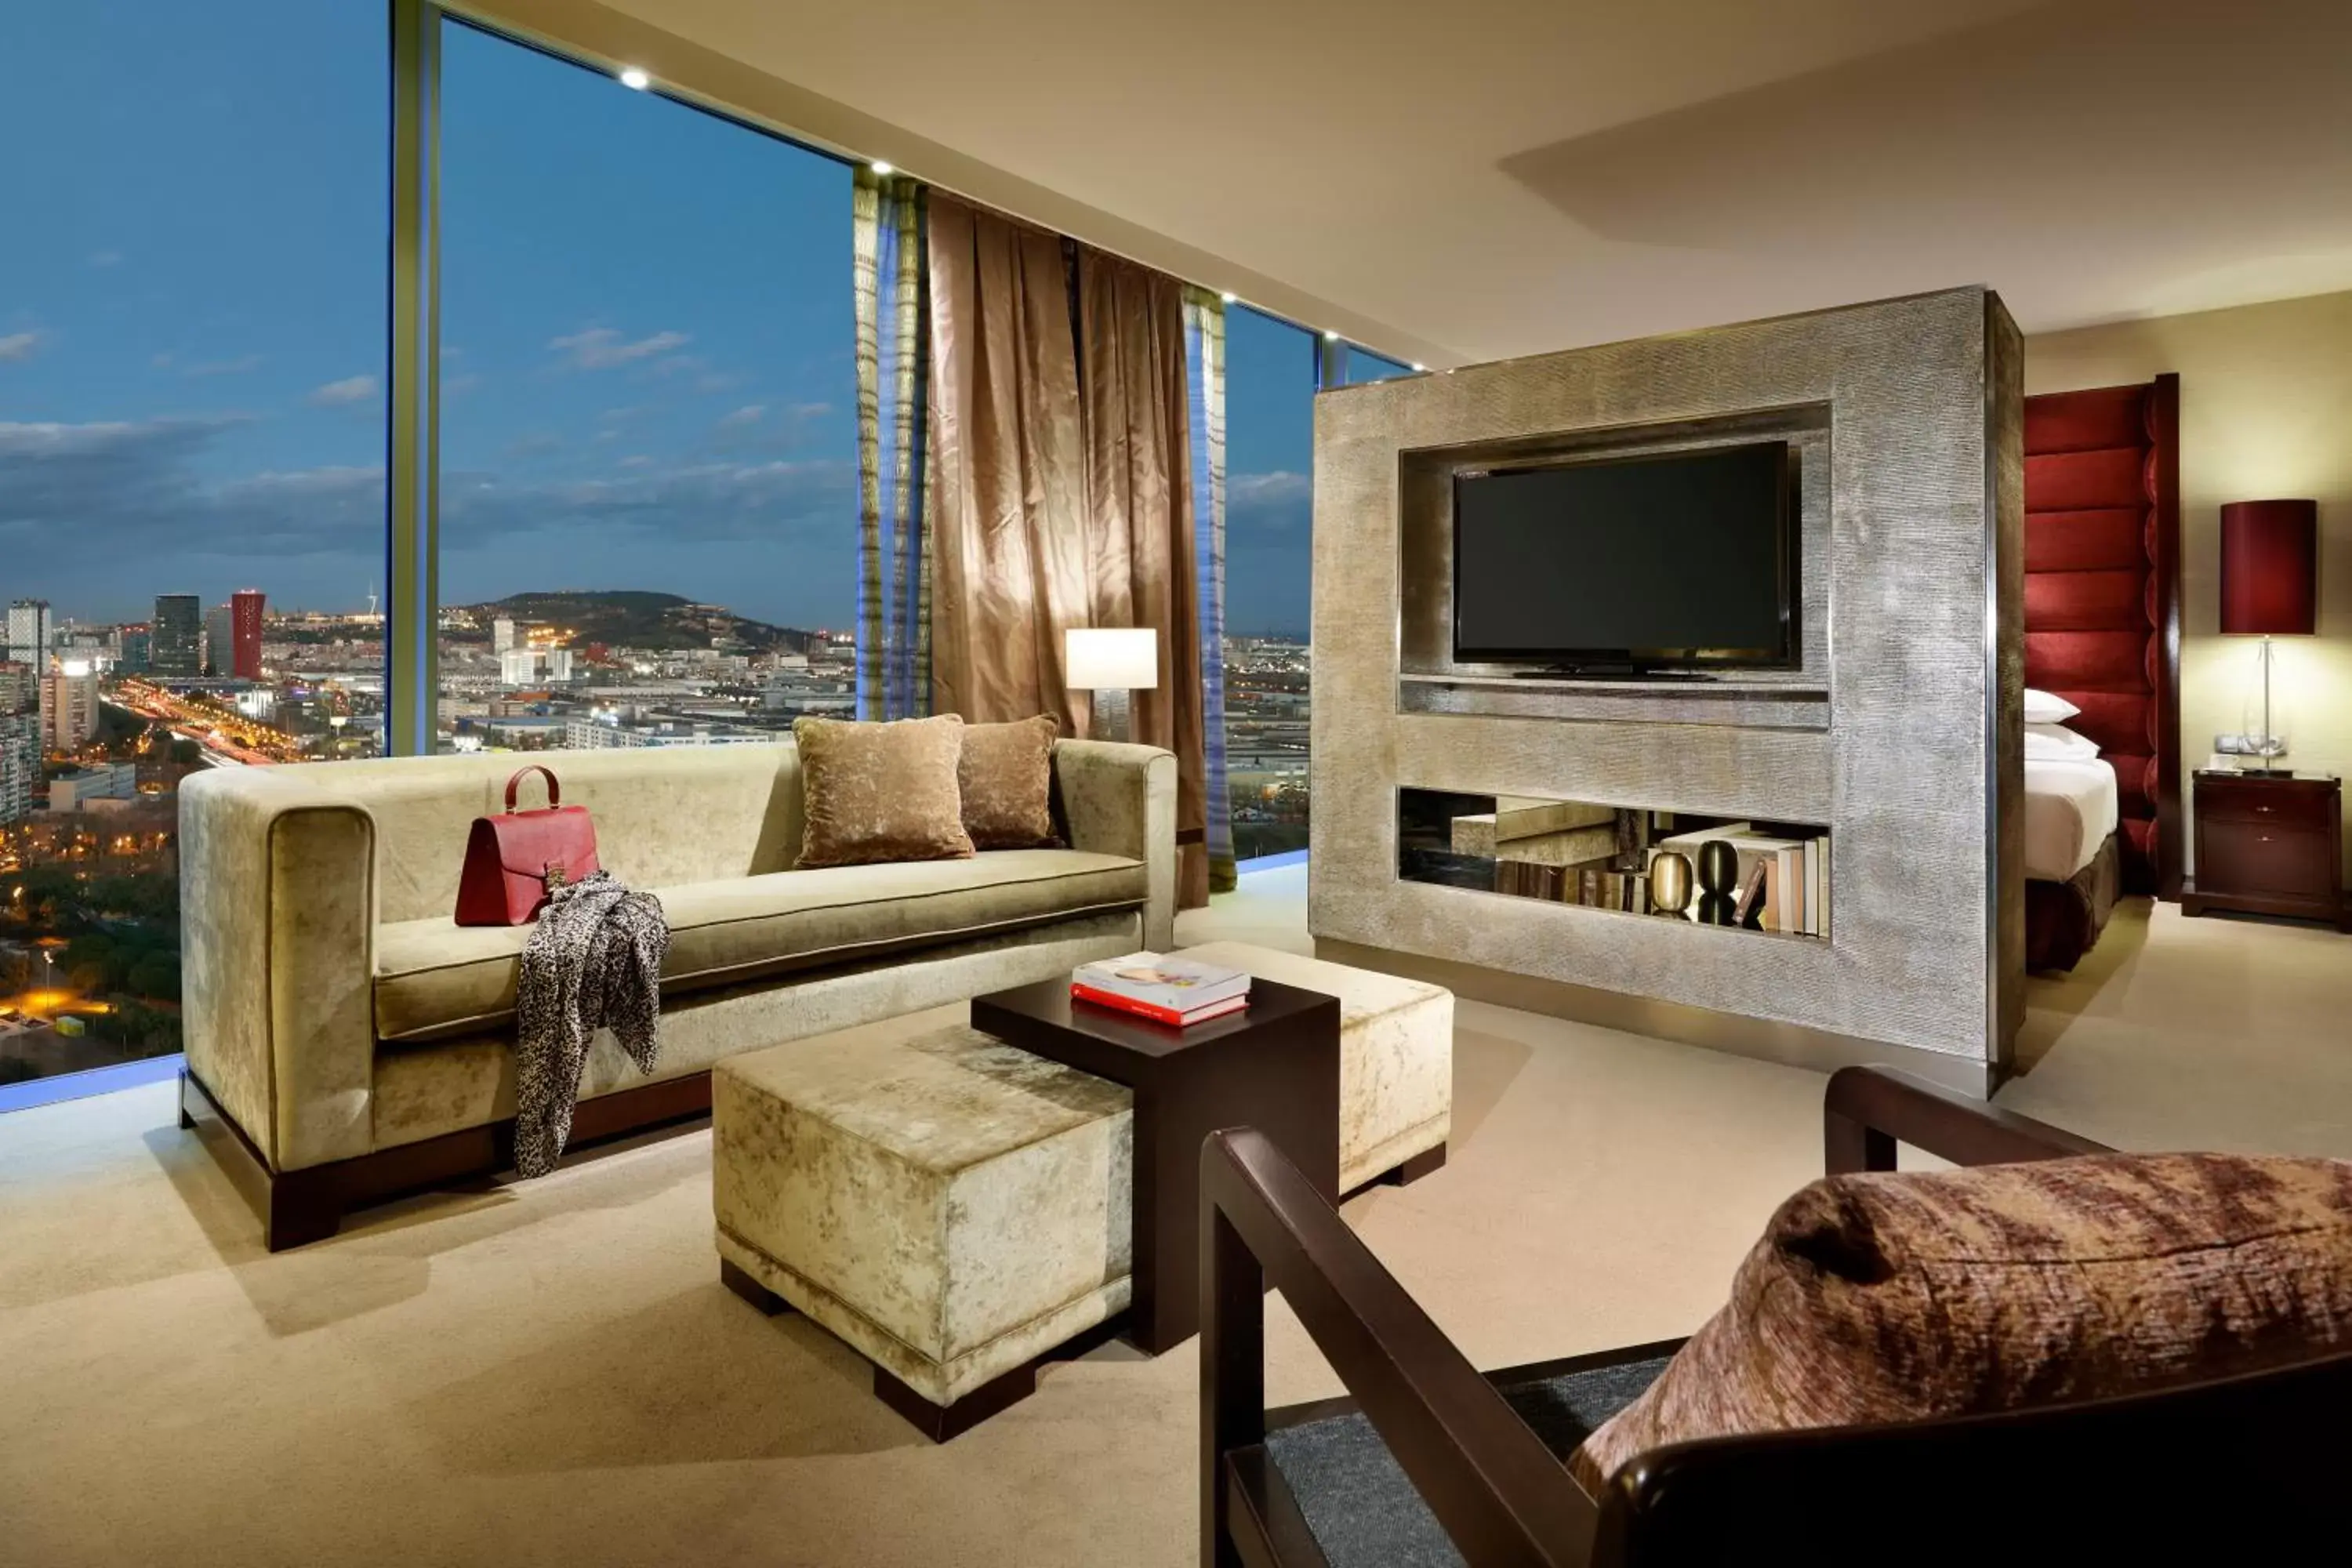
(552, 1373)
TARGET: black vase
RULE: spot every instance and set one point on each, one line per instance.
(1719, 866)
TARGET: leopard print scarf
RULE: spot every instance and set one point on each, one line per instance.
(594, 962)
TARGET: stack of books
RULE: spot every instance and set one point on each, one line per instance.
(1173, 991)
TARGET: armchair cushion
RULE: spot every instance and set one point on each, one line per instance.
(1915, 1296)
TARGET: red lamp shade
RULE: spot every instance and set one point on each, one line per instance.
(2270, 567)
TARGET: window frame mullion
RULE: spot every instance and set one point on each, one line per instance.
(412, 436)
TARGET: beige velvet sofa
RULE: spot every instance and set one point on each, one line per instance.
(346, 1041)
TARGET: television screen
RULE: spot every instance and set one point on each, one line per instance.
(1686, 558)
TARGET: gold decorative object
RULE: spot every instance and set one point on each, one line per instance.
(1670, 882)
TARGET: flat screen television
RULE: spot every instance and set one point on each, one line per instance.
(1681, 559)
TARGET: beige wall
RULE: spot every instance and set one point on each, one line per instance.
(2265, 411)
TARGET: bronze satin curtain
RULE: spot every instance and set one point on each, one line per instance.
(1011, 552)
(1137, 415)
(1063, 464)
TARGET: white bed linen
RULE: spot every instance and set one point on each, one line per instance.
(2070, 809)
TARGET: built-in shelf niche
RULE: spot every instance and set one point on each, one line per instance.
(1600, 857)
(1429, 679)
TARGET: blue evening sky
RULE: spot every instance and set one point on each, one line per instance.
(647, 332)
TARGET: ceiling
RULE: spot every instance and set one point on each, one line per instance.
(1477, 179)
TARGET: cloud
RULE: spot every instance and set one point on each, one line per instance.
(140, 488)
(1277, 500)
(106, 258)
(145, 488)
(749, 414)
(18, 347)
(342, 393)
(764, 503)
(534, 443)
(457, 385)
(602, 348)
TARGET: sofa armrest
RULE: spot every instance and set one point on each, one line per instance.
(277, 939)
(1121, 800)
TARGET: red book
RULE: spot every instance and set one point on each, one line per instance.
(1169, 1015)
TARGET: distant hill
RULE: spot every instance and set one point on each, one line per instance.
(629, 617)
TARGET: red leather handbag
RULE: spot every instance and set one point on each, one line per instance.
(514, 860)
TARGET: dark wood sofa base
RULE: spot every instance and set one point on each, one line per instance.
(297, 1208)
(940, 1423)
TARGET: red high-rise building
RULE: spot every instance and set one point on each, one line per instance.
(244, 634)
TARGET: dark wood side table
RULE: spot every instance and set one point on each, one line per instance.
(2269, 844)
(1275, 1068)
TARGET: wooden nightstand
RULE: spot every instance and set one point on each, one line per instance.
(2269, 843)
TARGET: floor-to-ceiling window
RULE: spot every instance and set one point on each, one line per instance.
(192, 513)
(1271, 371)
(648, 461)
(1364, 365)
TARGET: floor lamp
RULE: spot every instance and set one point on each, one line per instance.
(2270, 587)
(1110, 662)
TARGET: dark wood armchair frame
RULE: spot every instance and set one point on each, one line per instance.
(2254, 1461)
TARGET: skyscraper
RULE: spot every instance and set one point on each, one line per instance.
(244, 634)
(502, 635)
(20, 764)
(28, 633)
(176, 645)
(68, 707)
(216, 640)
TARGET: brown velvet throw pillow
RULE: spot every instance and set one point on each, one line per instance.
(1007, 779)
(1910, 1297)
(881, 792)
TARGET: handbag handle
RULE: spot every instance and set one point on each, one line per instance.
(554, 795)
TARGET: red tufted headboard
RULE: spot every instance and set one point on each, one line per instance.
(2102, 597)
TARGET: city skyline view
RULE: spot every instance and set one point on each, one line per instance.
(193, 363)
(646, 463)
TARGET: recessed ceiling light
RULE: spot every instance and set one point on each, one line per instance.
(631, 76)
(1330, 337)
(882, 168)
(1229, 296)
(1419, 367)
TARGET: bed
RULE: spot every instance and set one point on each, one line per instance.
(2103, 631)
(2073, 859)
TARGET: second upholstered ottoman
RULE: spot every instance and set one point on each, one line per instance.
(1396, 1058)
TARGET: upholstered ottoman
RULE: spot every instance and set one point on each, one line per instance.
(1396, 1058)
(953, 1208)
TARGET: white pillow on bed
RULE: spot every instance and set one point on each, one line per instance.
(2057, 743)
(2047, 708)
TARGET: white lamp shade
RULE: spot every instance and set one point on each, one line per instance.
(1110, 659)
